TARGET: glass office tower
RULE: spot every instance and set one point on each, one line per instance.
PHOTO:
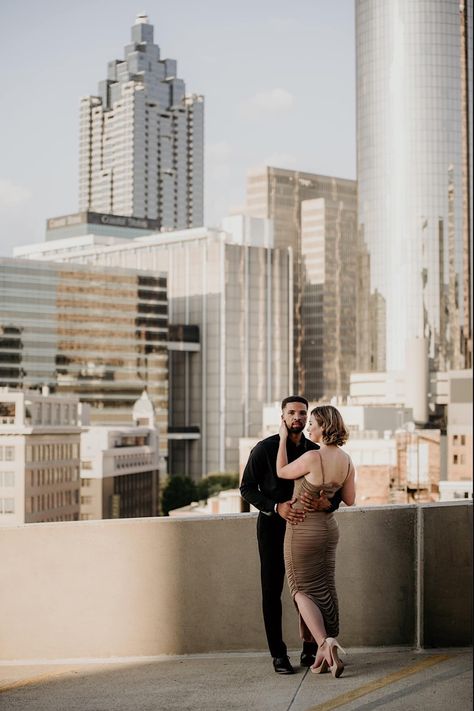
(414, 73)
(90, 331)
(280, 195)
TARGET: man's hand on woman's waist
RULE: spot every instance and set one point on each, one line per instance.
(286, 511)
(313, 503)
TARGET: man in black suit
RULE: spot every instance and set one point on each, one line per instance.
(273, 497)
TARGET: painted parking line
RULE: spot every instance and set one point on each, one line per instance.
(380, 683)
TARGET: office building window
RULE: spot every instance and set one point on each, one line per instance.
(7, 506)
(7, 478)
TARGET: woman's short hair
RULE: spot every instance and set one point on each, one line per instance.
(330, 420)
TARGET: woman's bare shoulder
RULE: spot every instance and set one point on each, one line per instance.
(312, 459)
(312, 455)
(345, 455)
(347, 462)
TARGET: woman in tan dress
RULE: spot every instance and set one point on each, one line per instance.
(310, 547)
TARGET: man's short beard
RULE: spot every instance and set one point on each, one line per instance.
(297, 428)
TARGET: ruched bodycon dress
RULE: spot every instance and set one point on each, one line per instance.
(310, 558)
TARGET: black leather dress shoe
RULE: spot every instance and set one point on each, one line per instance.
(282, 665)
(307, 659)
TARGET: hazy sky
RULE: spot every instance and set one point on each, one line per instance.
(278, 80)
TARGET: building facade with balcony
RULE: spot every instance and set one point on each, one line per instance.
(120, 475)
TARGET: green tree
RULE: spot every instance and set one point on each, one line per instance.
(213, 483)
(179, 491)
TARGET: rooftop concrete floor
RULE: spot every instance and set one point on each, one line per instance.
(385, 679)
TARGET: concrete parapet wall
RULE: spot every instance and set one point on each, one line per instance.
(375, 576)
(446, 615)
(145, 587)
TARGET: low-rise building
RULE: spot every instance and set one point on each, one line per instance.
(39, 457)
(449, 397)
(120, 467)
(459, 428)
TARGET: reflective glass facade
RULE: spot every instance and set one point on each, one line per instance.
(279, 194)
(329, 302)
(96, 332)
(412, 177)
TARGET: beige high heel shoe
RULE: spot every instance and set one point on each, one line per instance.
(336, 666)
(320, 665)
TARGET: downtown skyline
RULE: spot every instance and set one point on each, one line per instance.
(275, 82)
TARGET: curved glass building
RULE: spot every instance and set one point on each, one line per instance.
(414, 73)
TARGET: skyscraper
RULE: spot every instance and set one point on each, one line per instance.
(329, 297)
(322, 236)
(141, 140)
(414, 74)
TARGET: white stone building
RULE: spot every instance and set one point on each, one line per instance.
(39, 457)
(120, 467)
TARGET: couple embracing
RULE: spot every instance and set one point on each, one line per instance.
(297, 483)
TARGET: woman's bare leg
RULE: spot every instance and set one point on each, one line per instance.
(312, 616)
(327, 647)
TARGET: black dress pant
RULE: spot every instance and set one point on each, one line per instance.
(270, 537)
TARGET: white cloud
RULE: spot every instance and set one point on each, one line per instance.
(12, 195)
(265, 102)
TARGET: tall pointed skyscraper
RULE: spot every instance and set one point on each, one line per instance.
(141, 140)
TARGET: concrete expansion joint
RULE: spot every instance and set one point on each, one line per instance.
(305, 674)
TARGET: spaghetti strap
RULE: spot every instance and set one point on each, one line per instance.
(322, 468)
